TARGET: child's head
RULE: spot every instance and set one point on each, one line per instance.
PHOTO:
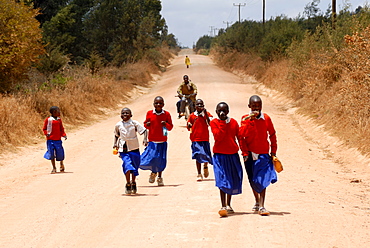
(199, 105)
(158, 104)
(255, 104)
(54, 111)
(126, 114)
(222, 110)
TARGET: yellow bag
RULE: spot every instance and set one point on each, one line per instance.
(277, 164)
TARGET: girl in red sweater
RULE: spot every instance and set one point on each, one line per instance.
(226, 161)
(197, 124)
(154, 157)
(258, 142)
(54, 131)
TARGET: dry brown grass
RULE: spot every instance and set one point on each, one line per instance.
(332, 87)
(80, 99)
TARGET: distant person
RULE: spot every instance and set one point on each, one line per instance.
(127, 144)
(226, 162)
(54, 131)
(197, 124)
(189, 89)
(257, 142)
(187, 62)
(154, 158)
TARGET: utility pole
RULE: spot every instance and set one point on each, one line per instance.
(263, 12)
(227, 24)
(214, 32)
(239, 5)
(211, 32)
(333, 13)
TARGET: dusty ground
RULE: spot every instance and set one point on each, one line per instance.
(320, 200)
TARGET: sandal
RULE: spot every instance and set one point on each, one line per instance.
(229, 210)
(206, 172)
(256, 207)
(262, 211)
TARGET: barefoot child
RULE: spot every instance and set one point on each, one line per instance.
(54, 131)
(127, 144)
(154, 157)
(226, 162)
(257, 140)
(197, 124)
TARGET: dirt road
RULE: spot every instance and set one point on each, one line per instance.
(321, 198)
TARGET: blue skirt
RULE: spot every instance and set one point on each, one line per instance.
(260, 172)
(131, 162)
(154, 157)
(228, 173)
(201, 151)
(55, 150)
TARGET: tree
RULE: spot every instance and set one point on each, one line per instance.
(20, 41)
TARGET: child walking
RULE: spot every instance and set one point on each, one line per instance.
(127, 144)
(258, 142)
(54, 131)
(197, 124)
(227, 167)
(154, 158)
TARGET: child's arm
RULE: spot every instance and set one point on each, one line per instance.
(145, 140)
(168, 123)
(64, 135)
(44, 128)
(116, 137)
(272, 136)
(147, 120)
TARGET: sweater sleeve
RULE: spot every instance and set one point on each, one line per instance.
(272, 135)
(169, 124)
(218, 129)
(147, 119)
(246, 131)
(44, 128)
(62, 129)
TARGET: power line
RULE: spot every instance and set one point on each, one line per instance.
(240, 5)
(227, 23)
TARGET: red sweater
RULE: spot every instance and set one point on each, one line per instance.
(155, 128)
(199, 128)
(57, 129)
(258, 136)
(225, 135)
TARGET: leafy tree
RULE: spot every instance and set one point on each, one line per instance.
(20, 41)
(204, 42)
(48, 9)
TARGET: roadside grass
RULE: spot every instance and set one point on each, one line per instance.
(80, 95)
(331, 86)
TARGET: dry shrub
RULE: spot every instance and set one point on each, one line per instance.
(80, 96)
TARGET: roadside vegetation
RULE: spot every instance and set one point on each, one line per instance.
(83, 56)
(323, 66)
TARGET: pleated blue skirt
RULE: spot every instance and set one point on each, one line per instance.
(131, 162)
(154, 157)
(228, 173)
(261, 172)
(201, 151)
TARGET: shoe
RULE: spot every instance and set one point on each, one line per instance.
(206, 172)
(53, 171)
(128, 189)
(262, 211)
(223, 212)
(62, 168)
(160, 181)
(133, 188)
(182, 114)
(256, 207)
(152, 177)
(199, 178)
(179, 117)
(229, 210)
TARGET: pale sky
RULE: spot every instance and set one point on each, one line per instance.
(189, 20)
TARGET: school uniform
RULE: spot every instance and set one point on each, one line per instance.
(154, 157)
(257, 137)
(128, 144)
(226, 162)
(199, 135)
(55, 129)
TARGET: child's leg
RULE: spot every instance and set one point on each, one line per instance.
(133, 177)
(53, 164)
(223, 198)
(228, 199)
(61, 166)
(127, 175)
(206, 172)
(262, 198)
(160, 174)
(199, 167)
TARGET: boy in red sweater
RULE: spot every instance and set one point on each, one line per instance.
(258, 141)
(158, 122)
(197, 124)
(54, 131)
(226, 162)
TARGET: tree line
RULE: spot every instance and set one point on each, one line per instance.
(49, 34)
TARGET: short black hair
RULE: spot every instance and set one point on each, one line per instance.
(52, 109)
(227, 105)
(255, 98)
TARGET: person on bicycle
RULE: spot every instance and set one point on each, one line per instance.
(189, 90)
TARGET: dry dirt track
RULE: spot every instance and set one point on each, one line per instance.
(320, 200)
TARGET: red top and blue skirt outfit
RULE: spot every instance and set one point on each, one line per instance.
(199, 135)
(154, 157)
(54, 128)
(226, 162)
(257, 137)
